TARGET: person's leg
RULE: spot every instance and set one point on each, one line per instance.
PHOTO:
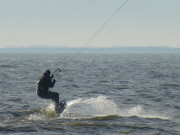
(55, 98)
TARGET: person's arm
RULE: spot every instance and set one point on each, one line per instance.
(52, 83)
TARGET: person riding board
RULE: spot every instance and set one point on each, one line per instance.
(45, 82)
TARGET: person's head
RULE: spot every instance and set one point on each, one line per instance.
(47, 72)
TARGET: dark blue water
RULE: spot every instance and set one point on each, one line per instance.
(119, 94)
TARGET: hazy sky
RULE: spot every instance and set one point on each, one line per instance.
(70, 23)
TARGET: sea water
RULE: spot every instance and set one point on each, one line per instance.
(118, 94)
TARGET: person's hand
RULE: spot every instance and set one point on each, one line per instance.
(54, 80)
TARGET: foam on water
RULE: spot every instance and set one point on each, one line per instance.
(87, 108)
(36, 116)
(139, 111)
(102, 106)
(42, 114)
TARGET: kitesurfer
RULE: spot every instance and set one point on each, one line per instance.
(45, 82)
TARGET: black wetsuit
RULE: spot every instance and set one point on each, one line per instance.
(43, 84)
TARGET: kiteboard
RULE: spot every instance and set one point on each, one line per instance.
(62, 106)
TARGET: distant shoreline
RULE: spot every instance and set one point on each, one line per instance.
(93, 50)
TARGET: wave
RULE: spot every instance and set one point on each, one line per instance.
(103, 108)
(6, 66)
(89, 108)
(97, 108)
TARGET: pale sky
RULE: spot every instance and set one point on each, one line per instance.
(70, 23)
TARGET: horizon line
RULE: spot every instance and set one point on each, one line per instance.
(92, 49)
(46, 47)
